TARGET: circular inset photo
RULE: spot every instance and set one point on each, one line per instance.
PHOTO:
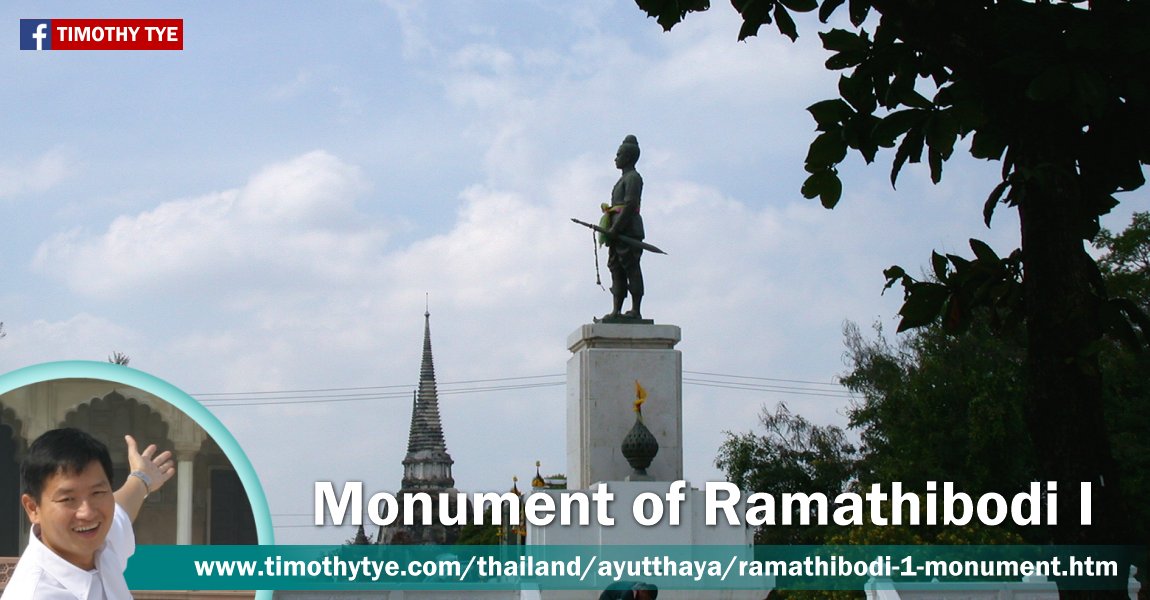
(76, 492)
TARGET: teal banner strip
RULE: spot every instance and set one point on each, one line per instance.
(594, 567)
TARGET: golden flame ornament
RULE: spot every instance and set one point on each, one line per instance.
(639, 445)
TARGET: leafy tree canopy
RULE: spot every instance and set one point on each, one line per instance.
(1065, 80)
(1058, 91)
(1126, 264)
(934, 405)
(792, 455)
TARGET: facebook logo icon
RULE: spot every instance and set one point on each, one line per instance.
(35, 34)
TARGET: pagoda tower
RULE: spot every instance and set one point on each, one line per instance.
(427, 466)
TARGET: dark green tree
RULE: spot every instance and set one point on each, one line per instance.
(1126, 269)
(485, 534)
(1126, 264)
(951, 405)
(936, 405)
(940, 407)
(791, 455)
(1059, 92)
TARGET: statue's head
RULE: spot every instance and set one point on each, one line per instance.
(628, 153)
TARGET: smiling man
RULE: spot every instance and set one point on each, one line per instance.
(82, 532)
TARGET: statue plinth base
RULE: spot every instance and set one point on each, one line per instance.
(607, 359)
(623, 320)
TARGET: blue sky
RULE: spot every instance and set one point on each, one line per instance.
(270, 209)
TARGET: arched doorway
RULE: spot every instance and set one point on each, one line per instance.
(109, 418)
(11, 513)
(230, 519)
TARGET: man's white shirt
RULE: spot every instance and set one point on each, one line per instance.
(42, 575)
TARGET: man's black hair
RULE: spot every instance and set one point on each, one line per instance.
(66, 450)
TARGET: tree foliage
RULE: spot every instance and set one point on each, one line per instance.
(481, 534)
(1126, 264)
(1058, 91)
(1065, 82)
(791, 455)
(359, 539)
(938, 405)
(972, 381)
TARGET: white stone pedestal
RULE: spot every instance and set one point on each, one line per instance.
(607, 360)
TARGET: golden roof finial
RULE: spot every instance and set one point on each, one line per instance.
(538, 481)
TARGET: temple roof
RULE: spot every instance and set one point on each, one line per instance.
(427, 466)
(426, 427)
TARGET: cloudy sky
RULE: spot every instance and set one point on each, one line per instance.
(270, 209)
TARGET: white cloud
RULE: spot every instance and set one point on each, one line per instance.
(80, 337)
(292, 89)
(412, 27)
(486, 57)
(702, 62)
(36, 175)
(695, 90)
(290, 219)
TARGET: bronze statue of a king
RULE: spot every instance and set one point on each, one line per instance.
(625, 220)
